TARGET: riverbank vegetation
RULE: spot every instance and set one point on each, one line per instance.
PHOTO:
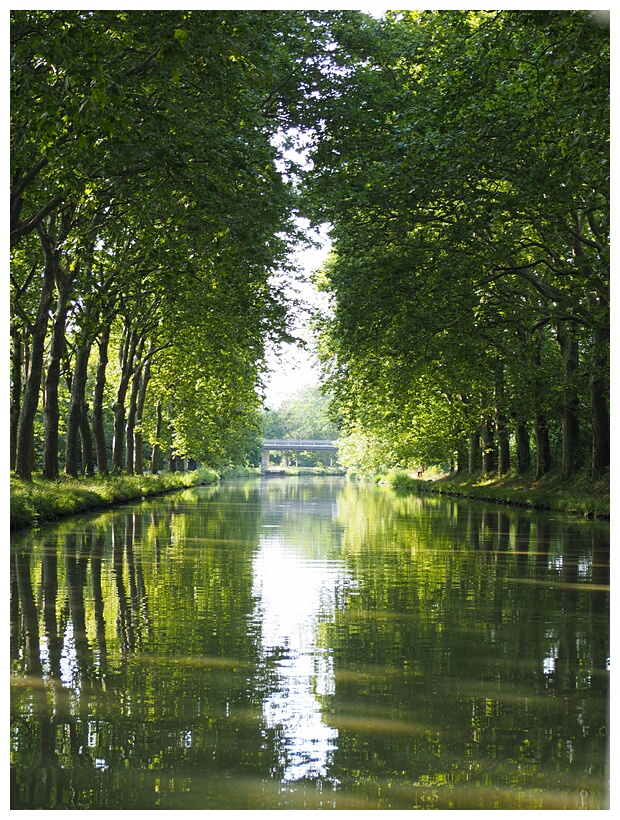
(43, 500)
(577, 496)
(40, 499)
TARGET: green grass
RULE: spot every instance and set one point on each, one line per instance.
(240, 472)
(576, 496)
(45, 500)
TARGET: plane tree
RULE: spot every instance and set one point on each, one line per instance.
(69, 123)
(464, 169)
(124, 126)
(460, 157)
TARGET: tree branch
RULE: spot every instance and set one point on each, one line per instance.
(27, 226)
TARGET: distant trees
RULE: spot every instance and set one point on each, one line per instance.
(303, 415)
(150, 209)
(464, 167)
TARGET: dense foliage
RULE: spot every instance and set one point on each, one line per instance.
(152, 218)
(464, 167)
(303, 415)
(461, 159)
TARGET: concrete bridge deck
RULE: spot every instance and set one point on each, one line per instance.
(298, 444)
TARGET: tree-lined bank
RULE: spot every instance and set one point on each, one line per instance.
(39, 500)
(461, 160)
(152, 223)
(578, 496)
(464, 167)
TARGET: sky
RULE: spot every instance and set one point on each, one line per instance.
(292, 368)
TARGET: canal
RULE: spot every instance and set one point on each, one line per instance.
(310, 643)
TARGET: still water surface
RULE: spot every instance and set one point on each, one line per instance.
(310, 643)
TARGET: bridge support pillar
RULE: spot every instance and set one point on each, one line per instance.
(265, 459)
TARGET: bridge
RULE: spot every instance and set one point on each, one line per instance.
(287, 444)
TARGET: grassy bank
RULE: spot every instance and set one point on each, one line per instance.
(576, 496)
(45, 500)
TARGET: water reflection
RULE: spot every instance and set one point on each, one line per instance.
(288, 620)
(310, 644)
(295, 594)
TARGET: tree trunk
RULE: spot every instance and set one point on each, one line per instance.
(474, 452)
(126, 360)
(488, 447)
(138, 454)
(98, 426)
(51, 412)
(570, 402)
(598, 381)
(52, 236)
(543, 446)
(524, 455)
(118, 408)
(132, 410)
(461, 454)
(130, 424)
(503, 445)
(76, 405)
(16, 390)
(86, 440)
(145, 375)
(156, 449)
(541, 426)
(501, 426)
(24, 460)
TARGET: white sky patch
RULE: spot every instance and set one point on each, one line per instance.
(290, 367)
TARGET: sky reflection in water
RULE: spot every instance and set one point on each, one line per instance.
(293, 596)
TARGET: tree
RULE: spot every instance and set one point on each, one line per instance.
(304, 415)
(464, 207)
(144, 160)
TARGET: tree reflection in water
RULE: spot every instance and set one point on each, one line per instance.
(310, 644)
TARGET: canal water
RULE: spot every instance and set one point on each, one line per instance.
(310, 643)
